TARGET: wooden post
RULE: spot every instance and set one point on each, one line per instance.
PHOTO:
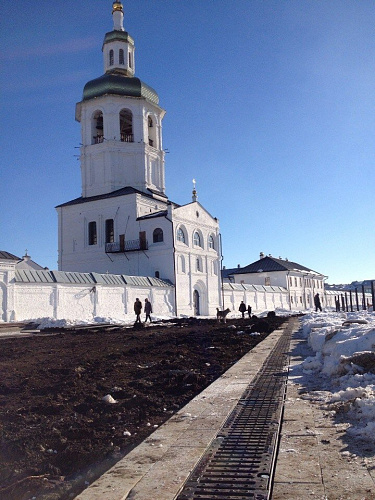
(356, 298)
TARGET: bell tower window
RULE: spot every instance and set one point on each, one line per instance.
(130, 60)
(121, 58)
(97, 128)
(111, 58)
(151, 132)
(126, 126)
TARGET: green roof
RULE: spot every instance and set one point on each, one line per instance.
(118, 84)
(122, 36)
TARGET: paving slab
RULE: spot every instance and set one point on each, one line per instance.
(313, 460)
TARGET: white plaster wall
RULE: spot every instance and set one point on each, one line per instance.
(75, 254)
(191, 218)
(258, 300)
(276, 278)
(82, 303)
(113, 164)
(33, 301)
(110, 302)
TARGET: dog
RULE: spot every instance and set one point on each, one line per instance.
(221, 316)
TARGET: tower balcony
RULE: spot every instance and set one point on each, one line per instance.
(126, 246)
(127, 138)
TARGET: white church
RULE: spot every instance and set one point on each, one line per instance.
(124, 223)
(123, 238)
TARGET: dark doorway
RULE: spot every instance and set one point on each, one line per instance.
(196, 303)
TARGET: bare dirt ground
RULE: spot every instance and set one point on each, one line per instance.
(57, 433)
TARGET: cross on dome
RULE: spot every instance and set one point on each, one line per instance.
(195, 197)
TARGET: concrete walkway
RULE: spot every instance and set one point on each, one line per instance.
(316, 459)
(311, 463)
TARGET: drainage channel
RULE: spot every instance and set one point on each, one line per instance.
(239, 462)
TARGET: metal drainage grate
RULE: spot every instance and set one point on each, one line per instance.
(240, 460)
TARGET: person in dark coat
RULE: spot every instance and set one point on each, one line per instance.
(138, 310)
(242, 308)
(148, 310)
(249, 311)
(317, 303)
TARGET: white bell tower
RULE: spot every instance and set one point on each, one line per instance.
(121, 123)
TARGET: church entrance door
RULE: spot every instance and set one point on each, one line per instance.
(196, 303)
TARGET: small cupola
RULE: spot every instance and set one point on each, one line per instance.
(118, 46)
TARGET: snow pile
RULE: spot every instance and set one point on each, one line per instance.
(43, 323)
(344, 346)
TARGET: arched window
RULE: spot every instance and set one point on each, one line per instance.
(121, 58)
(181, 235)
(126, 126)
(157, 274)
(211, 243)
(97, 127)
(157, 236)
(197, 239)
(130, 60)
(111, 58)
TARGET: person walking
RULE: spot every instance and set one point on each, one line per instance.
(317, 303)
(242, 308)
(138, 310)
(148, 310)
(249, 311)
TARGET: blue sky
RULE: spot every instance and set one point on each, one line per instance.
(270, 107)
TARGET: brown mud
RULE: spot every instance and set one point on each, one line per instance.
(57, 433)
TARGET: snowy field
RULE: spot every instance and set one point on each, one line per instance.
(344, 363)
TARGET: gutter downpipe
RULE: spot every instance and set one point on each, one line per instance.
(221, 271)
(174, 266)
(288, 288)
(324, 290)
(304, 290)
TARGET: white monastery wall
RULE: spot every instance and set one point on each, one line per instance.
(76, 302)
(33, 301)
(83, 303)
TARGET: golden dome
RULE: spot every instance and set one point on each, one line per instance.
(116, 6)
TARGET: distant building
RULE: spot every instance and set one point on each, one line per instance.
(366, 284)
(8, 259)
(301, 283)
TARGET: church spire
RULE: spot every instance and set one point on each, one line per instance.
(195, 196)
(118, 16)
(118, 46)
